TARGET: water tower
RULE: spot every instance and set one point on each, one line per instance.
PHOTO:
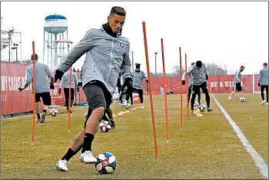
(55, 41)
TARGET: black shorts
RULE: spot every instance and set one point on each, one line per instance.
(45, 98)
(196, 88)
(66, 94)
(264, 87)
(189, 89)
(238, 87)
(97, 95)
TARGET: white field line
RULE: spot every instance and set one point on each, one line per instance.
(259, 161)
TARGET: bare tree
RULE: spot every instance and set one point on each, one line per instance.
(212, 69)
(215, 70)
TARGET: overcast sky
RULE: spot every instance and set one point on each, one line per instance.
(224, 33)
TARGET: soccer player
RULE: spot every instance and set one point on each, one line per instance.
(138, 77)
(199, 76)
(65, 83)
(119, 83)
(107, 52)
(263, 82)
(108, 116)
(237, 83)
(190, 86)
(43, 86)
(127, 90)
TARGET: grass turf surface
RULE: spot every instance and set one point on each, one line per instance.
(206, 147)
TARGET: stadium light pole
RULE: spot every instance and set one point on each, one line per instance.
(15, 46)
(9, 44)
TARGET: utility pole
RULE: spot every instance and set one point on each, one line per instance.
(156, 63)
(15, 46)
(132, 61)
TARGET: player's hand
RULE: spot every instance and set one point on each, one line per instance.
(20, 88)
(129, 81)
(259, 84)
(59, 91)
(79, 84)
(58, 75)
(183, 82)
(52, 85)
(206, 77)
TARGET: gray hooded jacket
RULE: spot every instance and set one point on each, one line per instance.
(138, 78)
(42, 77)
(105, 57)
(198, 75)
(263, 76)
(65, 81)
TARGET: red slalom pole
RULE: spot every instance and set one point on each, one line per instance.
(187, 86)
(165, 93)
(34, 92)
(150, 92)
(180, 87)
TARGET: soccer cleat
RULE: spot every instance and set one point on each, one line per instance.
(229, 99)
(142, 106)
(62, 165)
(209, 109)
(112, 123)
(88, 158)
(263, 102)
(43, 117)
(266, 103)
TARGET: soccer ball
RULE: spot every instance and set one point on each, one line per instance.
(242, 99)
(106, 163)
(53, 112)
(196, 104)
(127, 106)
(86, 115)
(201, 107)
(104, 126)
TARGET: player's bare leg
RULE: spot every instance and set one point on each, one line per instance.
(38, 111)
(75, 147)
(90, 131)
(231, 95)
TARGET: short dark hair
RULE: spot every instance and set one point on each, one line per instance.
(265, 64)
(242, 66)
(199, 63)
(34, 57)
(118, 10)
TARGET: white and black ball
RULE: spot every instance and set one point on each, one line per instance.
(201, 107)
(242, 99)
(106, 163)
(54, 112)
(104, 126)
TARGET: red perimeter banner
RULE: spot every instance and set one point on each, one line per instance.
(13, 101)
(13, 76)
(216, 84)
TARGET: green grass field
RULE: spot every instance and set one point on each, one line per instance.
(206, 147)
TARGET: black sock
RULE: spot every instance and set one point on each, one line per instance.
(88, 138)
(38, 116)
(83, 150)
(70, 153)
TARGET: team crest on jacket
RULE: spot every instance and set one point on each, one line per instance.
(121, 45)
